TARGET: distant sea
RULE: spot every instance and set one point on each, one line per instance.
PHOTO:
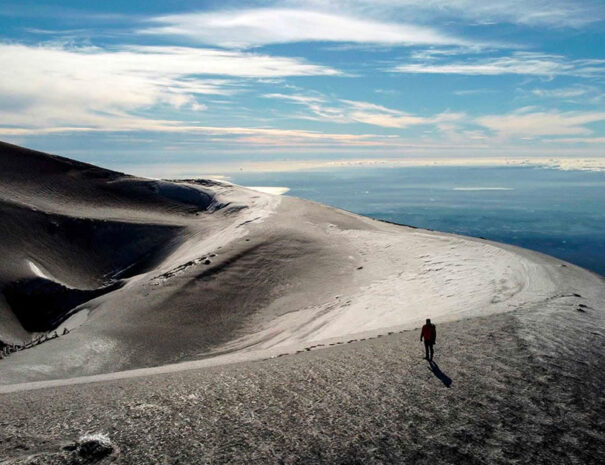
(560, 213)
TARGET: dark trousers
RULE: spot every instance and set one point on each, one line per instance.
(428, 347)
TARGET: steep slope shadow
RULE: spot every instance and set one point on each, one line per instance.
(53, 263)
(41, 304)
(69, 231)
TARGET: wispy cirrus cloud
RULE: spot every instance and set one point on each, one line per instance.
(263, 26)
(352, 111)
(524, 123)
(522, 63)
(532, 13)
(562, 93)
(527, 123)
(379, 115)
(554, 13)
(578, 92)
(58, 86)
(228, 134)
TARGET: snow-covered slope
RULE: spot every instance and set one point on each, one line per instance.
(134, 273)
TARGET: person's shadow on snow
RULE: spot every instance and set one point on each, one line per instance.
(445, 379)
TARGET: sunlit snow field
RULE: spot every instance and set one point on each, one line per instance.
(560, 213)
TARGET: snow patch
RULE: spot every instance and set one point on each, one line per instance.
(483, 189)
(275, 190)
(38, 271)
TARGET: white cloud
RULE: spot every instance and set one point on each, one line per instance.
(525, 63)
(302, 99)
(352, 111)
(549, 13)
(558, 13)
(578, 140)
(586, 94)
(386, 120)
(526, 123)
(434, 54)
(564, 93)
(262, 26)
(56, 86)
(229, 134)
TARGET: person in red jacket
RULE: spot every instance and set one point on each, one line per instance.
(429, 334)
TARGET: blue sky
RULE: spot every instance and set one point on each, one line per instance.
(196, 85)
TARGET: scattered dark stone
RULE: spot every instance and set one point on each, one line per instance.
(207, 262)
(576, 295)
(581, 310)
(360, 267)
(94, 448)
(201, 182)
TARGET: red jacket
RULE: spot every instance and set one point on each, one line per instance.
(429, 333)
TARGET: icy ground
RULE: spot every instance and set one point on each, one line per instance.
(524, 387)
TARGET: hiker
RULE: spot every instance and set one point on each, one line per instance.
(429, 334)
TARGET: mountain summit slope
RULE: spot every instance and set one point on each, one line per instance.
(136, 273)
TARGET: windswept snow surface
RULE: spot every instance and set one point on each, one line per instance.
(207, 273)
(521, 387)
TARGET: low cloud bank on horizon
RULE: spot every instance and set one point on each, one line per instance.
(337, 79)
